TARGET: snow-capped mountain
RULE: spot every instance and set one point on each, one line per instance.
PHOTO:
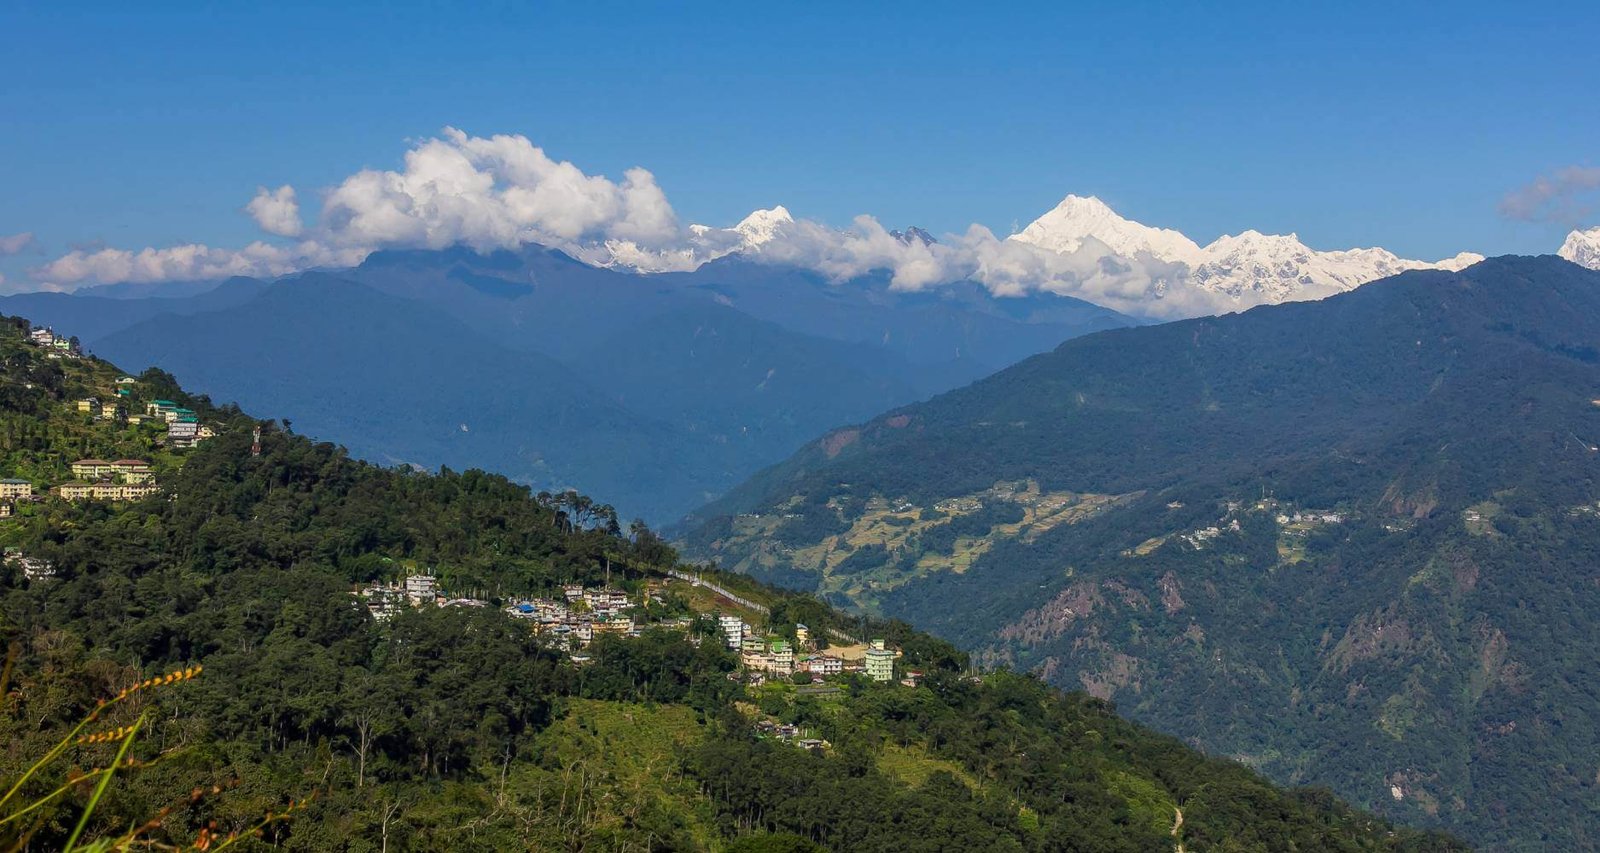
(1583, 248)
(1248, 268)
(1078, 218)
(762, 226)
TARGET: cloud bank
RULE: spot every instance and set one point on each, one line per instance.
(1556, 197)
(502, 191)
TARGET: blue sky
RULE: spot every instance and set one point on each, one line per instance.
(1385, 124)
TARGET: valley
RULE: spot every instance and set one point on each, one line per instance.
(1344, 542)
(453, 661)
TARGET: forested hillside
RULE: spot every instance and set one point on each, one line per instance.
(1348, 542)
(316, 703)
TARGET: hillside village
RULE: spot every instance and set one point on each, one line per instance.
(580, 614)
(118, 410)
(112, 413)
(103, 412)
(574, 617)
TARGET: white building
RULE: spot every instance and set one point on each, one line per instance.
(733, 629)
(421, 588)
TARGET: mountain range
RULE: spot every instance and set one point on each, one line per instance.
(656, 393)
(1248, 269)
(1348, 541)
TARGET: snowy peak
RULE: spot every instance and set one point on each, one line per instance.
(1078, 218)
(762, 226)
(1583, 248)
(1459, 262)
(1248, 268)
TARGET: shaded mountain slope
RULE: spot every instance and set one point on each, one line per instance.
(1347, 541)
(91, 316)
(404, 384)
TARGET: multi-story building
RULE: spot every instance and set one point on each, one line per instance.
(183, 433)
(132, 470)
(880, 662)
(782, 658)
(732, 630)
(78, 491)
(822, 665)
(12, 489)
(421, 588)
(91, 469)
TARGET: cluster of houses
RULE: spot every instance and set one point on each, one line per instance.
(33, 568)
(776, 656)
(573, 621)
(184, 429)
(1310, 517)
(1199, 538)
(581, 614)
(97, 479)
(789, 733)
(183, 426)
(57, 346)
(385, 600)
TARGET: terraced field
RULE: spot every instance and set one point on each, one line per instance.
(889, 542)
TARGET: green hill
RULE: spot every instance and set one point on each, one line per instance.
(370, 721)
(1348, 542)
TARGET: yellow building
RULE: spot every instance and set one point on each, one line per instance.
(12, 489)
(91, 469)
(75, 491)
(132, 470)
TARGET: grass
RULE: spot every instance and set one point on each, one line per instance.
(913, 765)
(617, 765)
(1148, 802)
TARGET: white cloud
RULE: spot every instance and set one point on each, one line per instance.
(503, 191)
(1553, 197)
(16, 244)
(494, 192)
(276, 211)
(191, 261)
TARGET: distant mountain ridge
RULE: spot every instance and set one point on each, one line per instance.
(656, 393)
(1346, 541)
